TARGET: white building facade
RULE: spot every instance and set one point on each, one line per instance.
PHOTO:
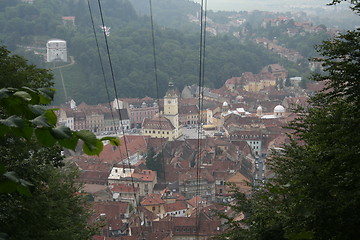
(56, 50)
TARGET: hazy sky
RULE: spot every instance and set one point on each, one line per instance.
(269, 5)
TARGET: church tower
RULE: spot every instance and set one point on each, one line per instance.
(171, 109)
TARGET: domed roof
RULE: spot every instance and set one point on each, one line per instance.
(259, 108)
(225, 104)
(279, 109)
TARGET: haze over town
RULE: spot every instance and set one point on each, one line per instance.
(264, 5)
(161, 143)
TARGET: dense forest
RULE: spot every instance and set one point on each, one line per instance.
(29, 26)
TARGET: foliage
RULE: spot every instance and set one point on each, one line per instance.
(239, 206)
(28, 116)
(169, 13)
(16, 72)
(130, 45)
(54, 210)
(38, 198)
(315, 192)
(154, 161)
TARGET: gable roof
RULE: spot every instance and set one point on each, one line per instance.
(152, 199)
(134, 144)
(157, 123)
(176, 206)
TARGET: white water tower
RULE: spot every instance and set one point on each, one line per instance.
(56, 50)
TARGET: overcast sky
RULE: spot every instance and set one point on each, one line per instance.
(265, 5)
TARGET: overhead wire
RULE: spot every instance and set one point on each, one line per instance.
(200, 103)
(200, 85)
(120, 117)
(101, 64)
(157, 86)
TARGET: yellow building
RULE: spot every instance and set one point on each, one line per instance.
(165, 125)
(159, 127)
(256, 86)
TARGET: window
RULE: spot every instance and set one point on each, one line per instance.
(153, 208)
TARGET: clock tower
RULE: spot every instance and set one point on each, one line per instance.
(171, 109)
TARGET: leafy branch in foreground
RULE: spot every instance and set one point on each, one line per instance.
(25, 115)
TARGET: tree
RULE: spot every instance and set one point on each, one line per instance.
(16, 72)
(287, 82)
(154, 161)
(315, 192)
(38, 198)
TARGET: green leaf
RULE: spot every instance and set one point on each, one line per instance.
(2, 169)
(3, 236)
(23, 190)
(46, 95)
(61, 132)
(12, 121)
(92, 145)
(93, 149)
(113, 140)
(87, 136)
(15, 106)
(35, 96)
(5, 93)
(25, 132)
(44, 137)
(23, 95)
(25, 183)
(37, 109)
(3, 129)
(41, 121)
(69, 143)
(7, 186)
(51, 116)
(11, 176)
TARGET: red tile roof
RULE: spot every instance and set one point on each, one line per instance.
(123, 188)
(152, 199)
(113, 212)
(134, 144)
(158, 122)
(145, 175)
(195, 201)
(176, 206)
